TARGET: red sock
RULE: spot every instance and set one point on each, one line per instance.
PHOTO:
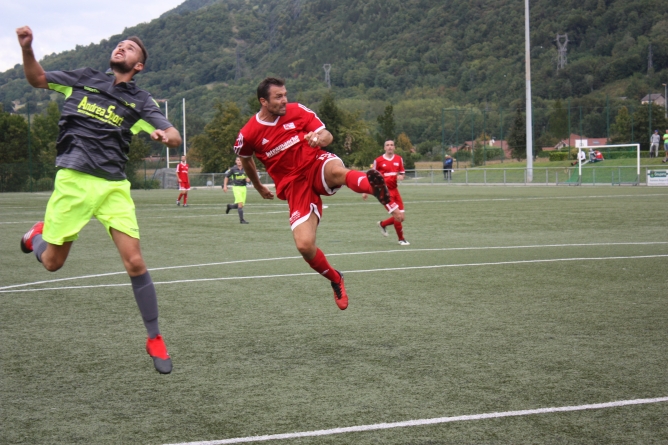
(399, 228)
(358, 182)
(320, 264)
(388, 222)
(179, 198)
(185, 198)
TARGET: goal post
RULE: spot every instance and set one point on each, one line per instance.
(593, 154)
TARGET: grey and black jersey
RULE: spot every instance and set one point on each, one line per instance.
(237, 176)
(99, 119)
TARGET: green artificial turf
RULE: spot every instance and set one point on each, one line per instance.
(508, 298)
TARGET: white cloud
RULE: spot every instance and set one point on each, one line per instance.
(61, 25)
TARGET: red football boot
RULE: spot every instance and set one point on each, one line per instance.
(158, 351)
(340, 294)
(26, 241)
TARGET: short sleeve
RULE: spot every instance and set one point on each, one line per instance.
(311, 120)
(152, 114)
(242, 148)
(63, 81)
(401, 160)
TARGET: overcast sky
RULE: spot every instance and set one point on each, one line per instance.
(60, 25)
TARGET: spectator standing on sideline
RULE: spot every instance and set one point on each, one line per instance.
(239, 187)
(288, 139)
(184, 181)
(391, 166)
(655, 139)
(447, 168)
(100, 114)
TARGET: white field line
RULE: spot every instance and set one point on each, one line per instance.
(139, 217)
(257, 260)
(388, 269)
(443, 249)
(434, 421)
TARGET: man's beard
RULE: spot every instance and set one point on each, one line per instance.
(120, 67)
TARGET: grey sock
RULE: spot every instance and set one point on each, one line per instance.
(241, 213)
(38, 246)
(147, 301)
(233, 206)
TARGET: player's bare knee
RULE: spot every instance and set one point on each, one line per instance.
(134, 264)
(306, 248)
(52, 265)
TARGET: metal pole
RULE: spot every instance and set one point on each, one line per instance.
(529, 119)
(649, 105)
(472, 135)
(665, 99)
(184, 127)
(457, 133)
(442, 131)
(29, 148)
(569, 128)
(484, 137)
(607, 111)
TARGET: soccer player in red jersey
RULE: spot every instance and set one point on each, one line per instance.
(184, 181)
(391, 166)
(288, 139)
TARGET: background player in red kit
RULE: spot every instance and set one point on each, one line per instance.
(184, 181)
(287, 139)
(391, 166)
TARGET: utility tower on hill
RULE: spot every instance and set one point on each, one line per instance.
(327, 67)
(561, 45)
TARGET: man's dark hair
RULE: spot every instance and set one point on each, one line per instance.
(139, 43)
(266, 84)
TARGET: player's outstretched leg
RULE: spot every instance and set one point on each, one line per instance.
(28, 238)
(379, 190)
(340, 294)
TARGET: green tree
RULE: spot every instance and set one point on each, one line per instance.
(621, 128)
(386, 126)
(333, 118)
(214, 147)
(14, 168)
(643, 127)
(559, 121)
(517, 139)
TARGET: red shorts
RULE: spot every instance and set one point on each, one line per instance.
(396, 197)
(303, 193)
(184, 186)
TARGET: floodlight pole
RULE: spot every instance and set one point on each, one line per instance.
(665, 99)
(184, 126)
(166, 117)
(529, 121)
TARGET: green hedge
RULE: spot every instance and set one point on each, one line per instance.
(558, 156)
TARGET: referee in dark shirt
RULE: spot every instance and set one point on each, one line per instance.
(100, 115)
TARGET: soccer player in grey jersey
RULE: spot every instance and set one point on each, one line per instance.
(239, 183)
(100, 115)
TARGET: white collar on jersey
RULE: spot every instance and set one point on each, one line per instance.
(269, 124)
(385, 157)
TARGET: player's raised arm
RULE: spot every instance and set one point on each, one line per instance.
(251, 172)
(33, 70)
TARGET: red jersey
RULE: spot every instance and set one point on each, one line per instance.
(182, 171)
(280, 145)
(390, 168)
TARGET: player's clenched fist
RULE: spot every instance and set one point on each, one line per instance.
(25, 37)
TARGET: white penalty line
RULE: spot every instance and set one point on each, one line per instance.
(421, 422)
(257, 260)
(388, 269)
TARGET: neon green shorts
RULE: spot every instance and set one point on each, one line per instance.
(239, 194)
(79, 196)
